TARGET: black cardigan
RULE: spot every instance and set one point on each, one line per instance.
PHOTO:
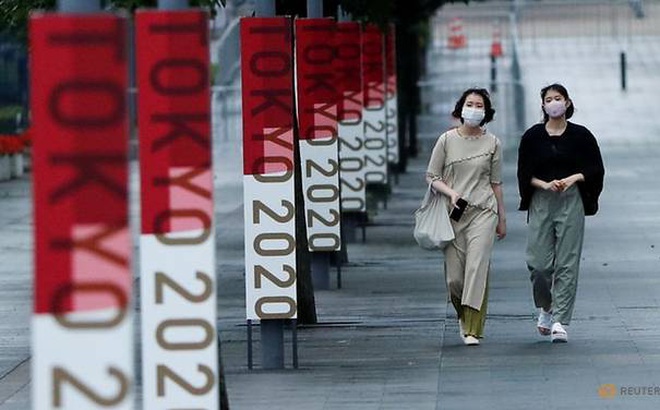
(556, 157)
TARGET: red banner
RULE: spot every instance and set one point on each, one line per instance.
(174, 121)
(269, 180)
(267, 86)
(317, 117)
(392, 113)
(348, 41)
(78, 84)
(390, 60)
(177, 244)
(317, 91)
(373, 71)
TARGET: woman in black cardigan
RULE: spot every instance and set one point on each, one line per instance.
(560, 177)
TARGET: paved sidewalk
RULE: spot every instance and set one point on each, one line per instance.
(15, 292)
(383, 341)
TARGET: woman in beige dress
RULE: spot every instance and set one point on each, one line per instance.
(466, 163)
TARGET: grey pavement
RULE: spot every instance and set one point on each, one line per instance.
(387, 339)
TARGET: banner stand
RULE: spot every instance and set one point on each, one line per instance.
(269, 175)
(320, 266)
(351, 221)
(352, 151)
(363, 222)
(393, 171)
(250, 362)
(337, 257)
(293, 325)
(317, 107)
(82, 331)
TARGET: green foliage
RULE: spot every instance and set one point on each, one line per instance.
(409, 15)
(9, 112)
(8, 115)
(373, 11)
(133, 4)
(215, 68)
(14, 13)
(212, 5)
(383, 11)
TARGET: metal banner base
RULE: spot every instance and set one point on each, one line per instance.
(272, 331)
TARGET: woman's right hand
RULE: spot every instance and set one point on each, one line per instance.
(454, 197)
(439, 186)
(554, 186)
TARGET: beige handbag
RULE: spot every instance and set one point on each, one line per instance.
(433, 228)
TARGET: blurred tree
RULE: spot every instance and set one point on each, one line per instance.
(133, 4)
(411, 19)
(14, 13)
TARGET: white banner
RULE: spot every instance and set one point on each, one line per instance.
(178, 289)
(351, 160)
(270, 246)
(392, 117)
(375, 145)
(320, 168)
(92, 380)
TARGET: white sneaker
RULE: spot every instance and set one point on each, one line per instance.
(544, 323)
(558, 334)
(471, 341)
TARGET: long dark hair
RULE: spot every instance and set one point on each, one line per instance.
(488, 106)
(561, 90)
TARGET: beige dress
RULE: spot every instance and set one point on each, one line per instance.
(469, 165)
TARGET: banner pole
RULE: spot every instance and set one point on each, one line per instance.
(314, 8)
(82, 323)
(272, 330)
(320, 260)
(177, 222)
(78, 6)
(172, 4)
(265, 8)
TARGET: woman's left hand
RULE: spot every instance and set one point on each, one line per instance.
(570, 181)
(500, 230)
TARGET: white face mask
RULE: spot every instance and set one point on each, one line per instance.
(473, 116)
(555, 108)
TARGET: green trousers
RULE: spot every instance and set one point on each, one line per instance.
(554, 248)
(467, 264)
(474, 321)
